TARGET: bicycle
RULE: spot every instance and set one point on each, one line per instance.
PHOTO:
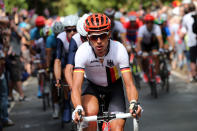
(103, 118)
(165, 70)
(151, 73)
(44, 83)
(135, 68)
(64, 103)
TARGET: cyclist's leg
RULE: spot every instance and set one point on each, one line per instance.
(155, 48)
(117, 105)
(91, 107)
(156, 60)
(90, 103)
(143, 62)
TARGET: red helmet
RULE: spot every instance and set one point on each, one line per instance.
(149, 17)
(97, 22)
(40, 21)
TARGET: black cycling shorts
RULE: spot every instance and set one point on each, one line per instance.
(149, 47)
(193, 54)
(114, 95)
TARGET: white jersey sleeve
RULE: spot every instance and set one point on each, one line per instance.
(140, 31)
(123, 58)
(81, 57)
(157, 30)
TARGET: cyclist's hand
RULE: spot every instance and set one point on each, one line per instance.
(58, 83)
(135, 108)
(77, 114)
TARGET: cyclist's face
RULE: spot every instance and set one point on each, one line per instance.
(149, 25)
(70, 31)
(99, 42)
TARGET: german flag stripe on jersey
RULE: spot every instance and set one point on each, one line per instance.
(112, 74)
(79, 70)
(126, 69)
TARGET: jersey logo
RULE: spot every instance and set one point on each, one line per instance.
(110, 63)
(94, 61)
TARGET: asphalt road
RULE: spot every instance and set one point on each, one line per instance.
(173, 111)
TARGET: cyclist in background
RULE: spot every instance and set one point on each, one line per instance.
(35, 35)
(100, 58)
(63, 41)
(132, 28)
(51, 55)
(149, 39)
(166, 34)
(118, 32)
(75, 42)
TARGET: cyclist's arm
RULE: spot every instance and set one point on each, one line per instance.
(131, 90)
(57, 63)
(78, 77)
(124, 38)
(138, 44)
(139, 39)
(159, 38)
(69, 67)
(122, 31)
(69, 74)
(49, 43)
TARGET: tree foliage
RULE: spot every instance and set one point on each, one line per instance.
(65, 7)
(10, 4)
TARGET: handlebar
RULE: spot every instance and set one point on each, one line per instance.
(150, 53)
(109, 117)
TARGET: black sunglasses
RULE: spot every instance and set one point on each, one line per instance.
(101, 36)
(149, 22)
(70, 30)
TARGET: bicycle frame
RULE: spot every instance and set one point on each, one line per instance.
(42, 81)
(152, 72)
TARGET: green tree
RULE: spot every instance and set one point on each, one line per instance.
(10, 4)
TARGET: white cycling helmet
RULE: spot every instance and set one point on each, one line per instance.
(70, 20)
(80, 25)
(58, 27)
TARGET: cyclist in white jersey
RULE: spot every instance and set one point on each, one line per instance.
(101, 59)
(118, 32)
(75, 42)
(149, 39)
(63, 40)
